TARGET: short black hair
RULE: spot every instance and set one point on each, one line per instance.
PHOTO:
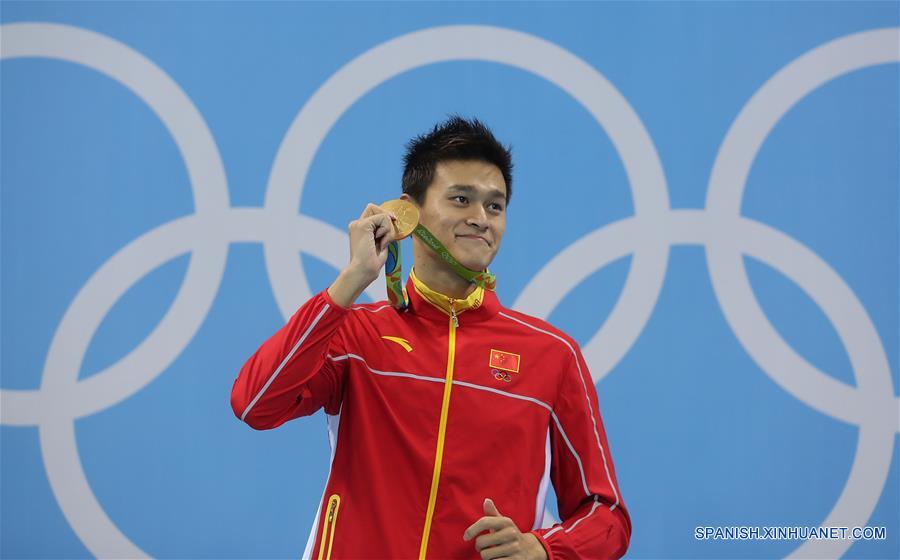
(456, 138)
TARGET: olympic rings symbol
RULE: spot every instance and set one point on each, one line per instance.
(647, 236)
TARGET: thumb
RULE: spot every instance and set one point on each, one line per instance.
(490, 508)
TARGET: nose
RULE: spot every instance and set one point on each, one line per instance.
(477, 218)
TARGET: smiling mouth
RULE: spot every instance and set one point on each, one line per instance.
(475, 238)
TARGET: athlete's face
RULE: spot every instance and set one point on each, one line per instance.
(465, 208)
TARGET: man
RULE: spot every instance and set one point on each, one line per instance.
(448, 416)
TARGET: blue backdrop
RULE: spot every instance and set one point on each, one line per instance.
(706, 198)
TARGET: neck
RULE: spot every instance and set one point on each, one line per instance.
(438, 276)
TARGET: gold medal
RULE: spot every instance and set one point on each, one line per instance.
(407, 216)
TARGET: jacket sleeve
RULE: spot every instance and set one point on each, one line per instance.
(595, 523)
(290, 375)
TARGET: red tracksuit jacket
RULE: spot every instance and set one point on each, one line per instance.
(427, 418)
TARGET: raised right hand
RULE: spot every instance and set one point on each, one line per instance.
(370, 236)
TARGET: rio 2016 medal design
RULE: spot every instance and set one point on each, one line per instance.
(407, 216)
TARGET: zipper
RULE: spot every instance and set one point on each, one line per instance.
(334, 504)
(442, 432)
(453, 313)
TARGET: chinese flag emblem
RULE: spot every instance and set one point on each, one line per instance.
(505, 360)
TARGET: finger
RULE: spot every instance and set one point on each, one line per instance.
(376, 220)
(485, 524)
(382, 244)
(490, 508)
(384, 235)
(373, 210)
(379, 227)
(496, 538)
(502, 551)
(370, 210)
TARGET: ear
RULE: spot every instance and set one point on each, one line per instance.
(410, 199)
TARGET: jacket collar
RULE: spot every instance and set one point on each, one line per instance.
(480, 305)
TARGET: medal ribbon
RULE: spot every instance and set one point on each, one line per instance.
(392, 269)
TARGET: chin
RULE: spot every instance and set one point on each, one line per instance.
(473, 262)
(473, 258)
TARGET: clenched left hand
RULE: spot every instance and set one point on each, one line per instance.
(504, 539)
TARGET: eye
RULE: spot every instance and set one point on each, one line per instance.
(462, 199)
(496, 207)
